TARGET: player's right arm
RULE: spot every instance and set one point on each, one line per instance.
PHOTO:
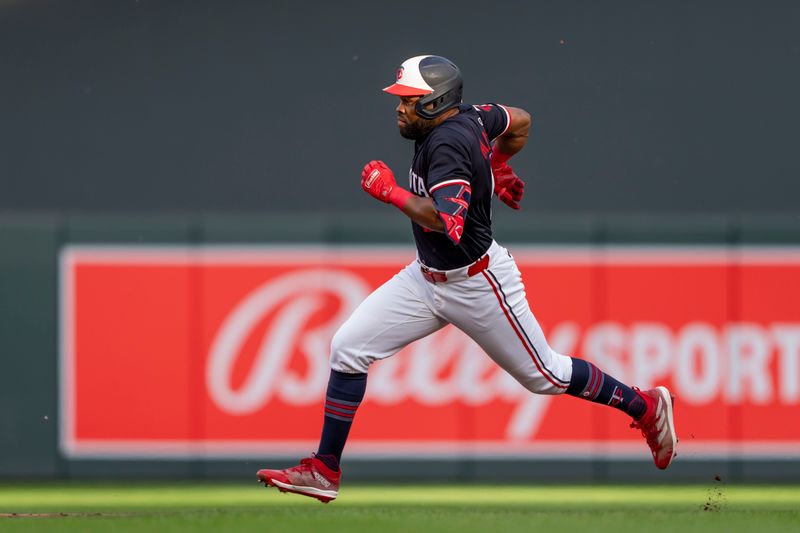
(448, 183)
(379, 182)
(423, 211)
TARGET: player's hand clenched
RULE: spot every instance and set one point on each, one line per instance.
(508, 187)
(378, 180)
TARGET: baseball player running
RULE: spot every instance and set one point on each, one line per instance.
(461, 275)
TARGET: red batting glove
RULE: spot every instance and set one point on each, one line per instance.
(499, 158)
(378, 180)
(508, 187)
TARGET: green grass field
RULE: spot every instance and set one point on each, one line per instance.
(54, 506)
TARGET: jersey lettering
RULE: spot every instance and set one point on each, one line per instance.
(416, 184)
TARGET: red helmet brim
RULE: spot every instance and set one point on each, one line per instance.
(405, 90)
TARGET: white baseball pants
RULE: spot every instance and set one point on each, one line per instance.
(489, 306)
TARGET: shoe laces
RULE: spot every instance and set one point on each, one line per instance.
(649, 432)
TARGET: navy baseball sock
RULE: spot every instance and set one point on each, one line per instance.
(590, 383)
(345, 392)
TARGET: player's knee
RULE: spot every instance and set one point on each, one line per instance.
(539, 384)
(553, 376)
(344, 356)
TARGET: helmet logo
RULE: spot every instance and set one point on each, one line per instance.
(399, 73)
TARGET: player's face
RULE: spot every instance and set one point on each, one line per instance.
(411, 125)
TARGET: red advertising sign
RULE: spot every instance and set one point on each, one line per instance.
(222, 352)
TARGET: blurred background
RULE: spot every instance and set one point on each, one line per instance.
(163, 163)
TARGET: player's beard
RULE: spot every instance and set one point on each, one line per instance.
(418, 129)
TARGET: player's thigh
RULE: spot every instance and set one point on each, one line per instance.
(390, 318)
(502, 323)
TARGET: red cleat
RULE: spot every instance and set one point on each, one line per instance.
(657, 425)
(310, 478)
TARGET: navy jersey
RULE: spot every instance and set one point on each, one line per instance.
(452, 166)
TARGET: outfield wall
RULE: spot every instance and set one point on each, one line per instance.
(150, 346)
(668, 107)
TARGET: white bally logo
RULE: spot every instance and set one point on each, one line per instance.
(705, 362)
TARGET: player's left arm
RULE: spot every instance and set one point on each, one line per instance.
(515, 136)
(508, 186)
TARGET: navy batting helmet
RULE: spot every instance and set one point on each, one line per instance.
(436, 79)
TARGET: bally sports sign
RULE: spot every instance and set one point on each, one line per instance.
(223, 352)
